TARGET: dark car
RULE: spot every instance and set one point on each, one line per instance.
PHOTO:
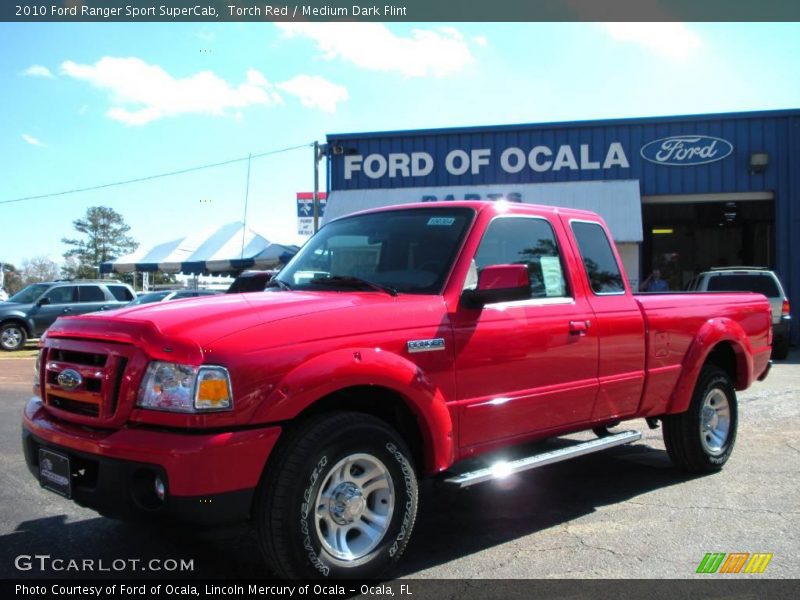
(33, 309)
(250, 281)
(166, 295)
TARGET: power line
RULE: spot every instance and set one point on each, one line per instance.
(149, 177)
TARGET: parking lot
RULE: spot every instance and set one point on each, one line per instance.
(625, 513)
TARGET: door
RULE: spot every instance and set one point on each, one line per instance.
(92, 298)
(526, 366)
(60, 301)
(619, 320)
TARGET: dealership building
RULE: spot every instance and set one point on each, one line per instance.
(682, 194)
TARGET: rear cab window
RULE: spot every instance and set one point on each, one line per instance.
(602, 269)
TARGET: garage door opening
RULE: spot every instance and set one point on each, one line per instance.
(684, 238)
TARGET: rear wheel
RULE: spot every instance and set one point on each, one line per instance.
(12, 337)
(339, 499)
(702, 438)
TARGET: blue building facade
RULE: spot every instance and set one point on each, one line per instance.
(711, 190)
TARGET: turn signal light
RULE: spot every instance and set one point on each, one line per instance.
(785, 309)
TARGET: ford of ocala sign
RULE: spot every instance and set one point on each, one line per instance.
(686, 150)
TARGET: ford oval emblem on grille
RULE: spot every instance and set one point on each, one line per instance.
(69, 379)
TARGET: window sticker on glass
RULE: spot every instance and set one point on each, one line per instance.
(441, 221)
(552, 275)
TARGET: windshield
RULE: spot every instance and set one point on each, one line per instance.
(29, 294)
(148, 298)
(408, 250)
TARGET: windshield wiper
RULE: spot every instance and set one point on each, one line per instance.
(278, 284)
(348, 281)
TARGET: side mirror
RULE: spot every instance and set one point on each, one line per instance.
(499, 283)
(42, 301)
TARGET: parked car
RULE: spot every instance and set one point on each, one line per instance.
(250, 281)
(752, 279)
(166, 295)
(399, 343)
(29, 312)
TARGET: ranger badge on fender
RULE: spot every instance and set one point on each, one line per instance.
(425, 345)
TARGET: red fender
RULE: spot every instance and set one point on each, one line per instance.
(710, 335)
(340, 369)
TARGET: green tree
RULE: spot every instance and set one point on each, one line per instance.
(105, 238)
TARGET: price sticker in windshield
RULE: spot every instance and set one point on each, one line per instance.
(441, 221)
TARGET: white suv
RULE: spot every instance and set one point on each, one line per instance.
(752, 279)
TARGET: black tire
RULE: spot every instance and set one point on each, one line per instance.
(298, 514)
(780, 348)
(690, 444)
(12, 337)
(605, 430)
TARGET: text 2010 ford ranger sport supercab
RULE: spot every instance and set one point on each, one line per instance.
(396, 344)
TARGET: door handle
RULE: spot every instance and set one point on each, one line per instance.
(67, 310)
(579, 327)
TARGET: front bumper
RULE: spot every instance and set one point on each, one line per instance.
(209, 477)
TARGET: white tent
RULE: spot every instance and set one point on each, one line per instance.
(231, 247)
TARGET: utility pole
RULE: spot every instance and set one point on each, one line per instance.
(320, 150)
(316, 187)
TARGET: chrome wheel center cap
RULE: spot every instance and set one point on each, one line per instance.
(709, 418)
(347, 503)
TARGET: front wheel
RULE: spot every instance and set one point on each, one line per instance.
(12, 337)
(701, 439)
(339, 499)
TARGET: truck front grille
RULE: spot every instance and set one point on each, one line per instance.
(89, 392)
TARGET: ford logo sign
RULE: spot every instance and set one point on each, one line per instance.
(69, 379)
(686, 150)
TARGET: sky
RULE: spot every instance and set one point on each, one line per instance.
(87, 104)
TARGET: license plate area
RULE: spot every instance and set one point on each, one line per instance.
(54, 472)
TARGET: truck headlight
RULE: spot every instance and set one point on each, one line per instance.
(185, 388)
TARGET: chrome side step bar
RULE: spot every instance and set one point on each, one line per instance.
(503, 469)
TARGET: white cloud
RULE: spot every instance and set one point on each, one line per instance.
(37, 71)
(32, 140)
(374, 47)
(481, 40)
(207, 36)
(315, 92)
(674, 41)
(140, 92)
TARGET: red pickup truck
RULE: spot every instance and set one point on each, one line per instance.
(397, 344)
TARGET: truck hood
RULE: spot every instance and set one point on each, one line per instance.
(201, 321)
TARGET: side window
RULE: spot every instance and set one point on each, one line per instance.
(120, 293)
(598, 258)
(61, 295)
(525, 241)
(91, 293)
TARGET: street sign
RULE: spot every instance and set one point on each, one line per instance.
(305, 211)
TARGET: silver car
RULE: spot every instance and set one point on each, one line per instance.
(752, 279)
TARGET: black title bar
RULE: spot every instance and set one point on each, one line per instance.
(396, 10)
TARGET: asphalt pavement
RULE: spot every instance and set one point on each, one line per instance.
(623, 513)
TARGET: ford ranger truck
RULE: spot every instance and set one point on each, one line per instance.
(399, 343)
